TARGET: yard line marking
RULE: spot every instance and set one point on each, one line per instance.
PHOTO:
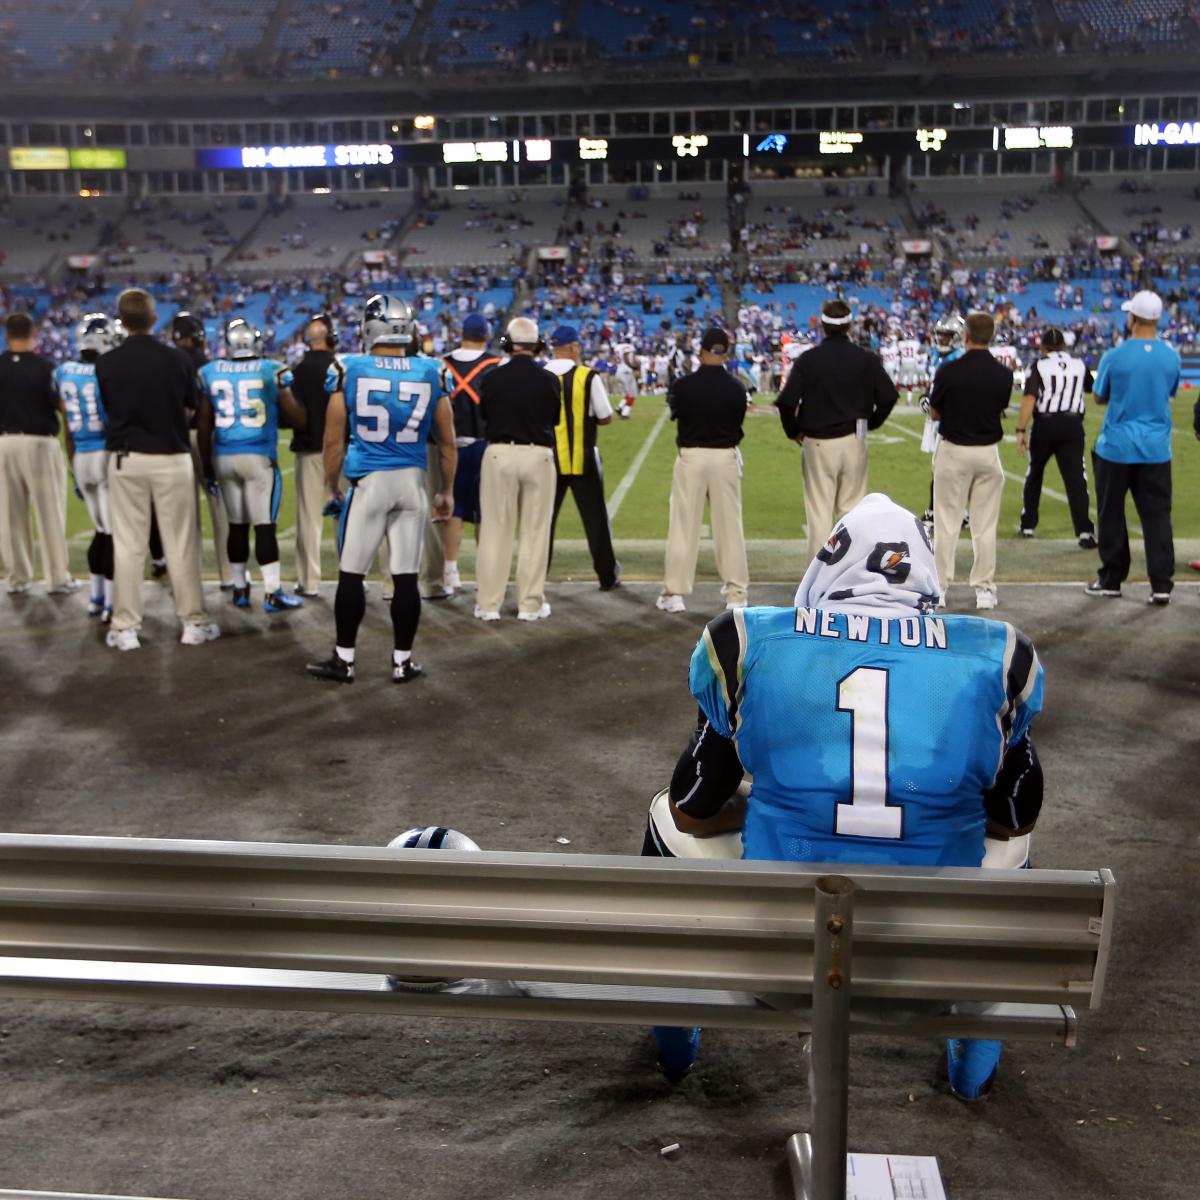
(639, 459)
(1046, 491)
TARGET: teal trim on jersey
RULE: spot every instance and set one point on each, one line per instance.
(276, 492)
(390, 402)
(847, 723)
(244, 394)
(938, 359)
(1137, 379)
(76, 385)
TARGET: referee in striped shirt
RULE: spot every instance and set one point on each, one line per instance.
(1054, 402)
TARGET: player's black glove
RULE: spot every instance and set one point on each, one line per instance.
(334, 507)
(211, 486)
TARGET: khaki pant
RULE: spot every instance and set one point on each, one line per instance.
(966, 478)
(715, 475)
(310, 524)
(135, 481)
(216, 510)
(433, 555)
(33, 474)
(517, 488)
(835, 480)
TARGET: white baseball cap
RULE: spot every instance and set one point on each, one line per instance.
(1146, 306)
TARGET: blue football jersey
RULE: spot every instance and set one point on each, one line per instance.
(390, 402)
(869, 740)
(244, 394)
(76, 384)
(938, 358)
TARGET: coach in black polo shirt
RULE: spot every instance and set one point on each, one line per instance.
(148, 389)
(834, 393)
(519, 403)
(968, 399)
(308, 386)
(32, 470)
(709, 408)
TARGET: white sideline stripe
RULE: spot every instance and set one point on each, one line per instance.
(1046, 491)
(639, 460)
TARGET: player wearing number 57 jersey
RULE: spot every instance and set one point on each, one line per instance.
(384, 402)
(87, 431)
(875, 731)
(237, 428)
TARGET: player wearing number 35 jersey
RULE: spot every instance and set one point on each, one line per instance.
(875, 730)
(241, 396)
(384, 402)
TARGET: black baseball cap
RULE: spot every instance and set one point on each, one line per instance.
(715, 340)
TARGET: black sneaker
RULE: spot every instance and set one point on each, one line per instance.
(1159, 599)
(406, 672)
(1096, 588)
(241, 597)
(335, 669)
(158, 568)
(1087, 541)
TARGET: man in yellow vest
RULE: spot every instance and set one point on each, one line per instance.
(585, 405)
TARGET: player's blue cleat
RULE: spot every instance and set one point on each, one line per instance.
(972, 1064)
(280, 601)
(678, 1050)
(241, 597)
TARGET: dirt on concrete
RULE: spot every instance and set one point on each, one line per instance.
(520, 735)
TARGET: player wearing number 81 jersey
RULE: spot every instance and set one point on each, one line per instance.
(875, 731)
(384, 402)
(87, 431)
(241, 396)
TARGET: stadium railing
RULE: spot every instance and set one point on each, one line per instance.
(593, 939)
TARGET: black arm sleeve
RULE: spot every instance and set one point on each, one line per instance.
(788, 401)
(707, 774)
(1034, 383)
(1088, 381)
(886, 395)
(1015, 799)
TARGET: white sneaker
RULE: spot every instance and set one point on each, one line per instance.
(122, 639)
(71, 585)
(541, 614)
(483, 615)
(670, 603)
(985, 598)
(19, 589)
(197, 635)
(451, 580)
(439, 592)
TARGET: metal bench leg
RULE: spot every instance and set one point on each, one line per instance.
(818, 1160)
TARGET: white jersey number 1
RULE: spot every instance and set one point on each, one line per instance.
(864, 694)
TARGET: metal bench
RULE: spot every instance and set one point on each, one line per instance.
(622, 940)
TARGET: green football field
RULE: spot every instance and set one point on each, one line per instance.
(638, 456)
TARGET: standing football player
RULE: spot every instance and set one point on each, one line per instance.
(86, 431)
(241, 397)
(385, 401)
(189, 335)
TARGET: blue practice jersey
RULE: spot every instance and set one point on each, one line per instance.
(244, 393)
(76, 384)
(390, 402)
(870, 740)
(938, 358)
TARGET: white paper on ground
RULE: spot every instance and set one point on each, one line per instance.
(893, 1177)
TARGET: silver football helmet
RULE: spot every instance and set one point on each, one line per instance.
(99, 333)
(387, 321)
(432, 837)
(242, 340)
(948, 332)
(428, 837)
